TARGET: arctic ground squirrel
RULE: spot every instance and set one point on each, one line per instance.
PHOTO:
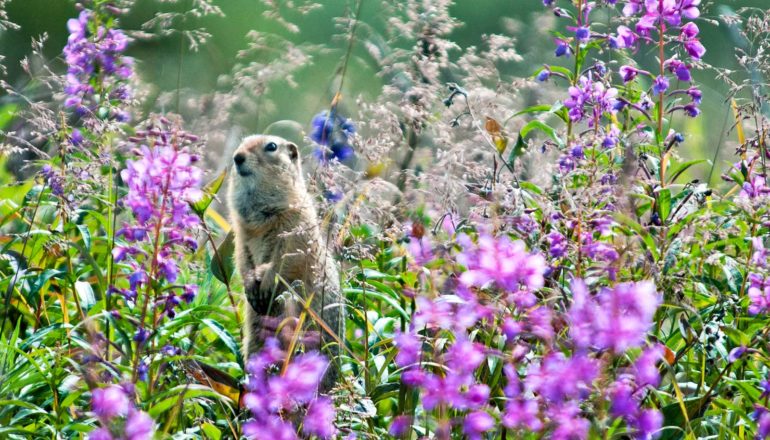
(278, 244)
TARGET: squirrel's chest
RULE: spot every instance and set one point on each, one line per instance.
(253, 252)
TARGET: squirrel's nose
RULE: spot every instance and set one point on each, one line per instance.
(239, 159)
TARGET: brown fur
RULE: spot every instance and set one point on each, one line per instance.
(278, 241)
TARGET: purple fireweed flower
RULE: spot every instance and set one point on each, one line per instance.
(694, 48)
(54, 180)
(161, 181)
(626, 38)
(95, 53)
(432, 313)
(141, 335)
(319, 419)
(680, 69)
(632, 7)
(100, 434)
(583, 33)
(616, 319)
(558, 378)
(562, 48)
(400, 426)
(736, 353)
(628, 73)
(271, 397)
(522, 414)
(499, 260)
(408, 345)
(477, 423)
(759, 300)
(464, 356)
(421, 249)
(273, 428)
(109, 402)
(690, 30)
(139, 426)
(755, 187)
(511, 328)
(759, 252)
(557, 245)
(569, 424)
(648, 423)
(622, 400)
(590, 96)
(660, 85)
(628, 309)
(645, 367)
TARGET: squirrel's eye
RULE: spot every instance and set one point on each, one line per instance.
(271, 146)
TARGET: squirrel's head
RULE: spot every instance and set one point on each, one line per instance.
(266, 172)
(262, 156)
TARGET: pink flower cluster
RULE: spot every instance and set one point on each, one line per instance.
(161, 182)
(110, 404)
(275, 400)
(97, 70)
(546, 385)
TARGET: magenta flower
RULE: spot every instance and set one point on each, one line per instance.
(694, 48)
(558, 378)
(522, 414)
(319, 420)
(501, 261)
(617, 319)
(408, 345)
(400, 426)
(272, 397)
(645, 367)
(569, 424)
(161, 182)
(680, 69)
(660, 85)
(690, 30)
(109, 402)
(100, 434)
(139, 426)
(96, 54)
(626, 38)
(592, 97)
(628, 73)
(476, 423)
(759, 300)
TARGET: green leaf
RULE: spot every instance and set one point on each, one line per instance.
(677, 170)
(534, 109)
(737, 336)
(7, 113)
(85, 294)
(378, 295)
(517, 149)
(225, 337)
(181, 395)
(209, 192)
(210, 431)
(674, 422)
(226, 251)
(664, 203)
(542, 126)
(86, 234)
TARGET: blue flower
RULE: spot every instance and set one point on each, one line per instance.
(332, 134)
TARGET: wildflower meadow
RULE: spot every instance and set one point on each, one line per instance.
(552, 222)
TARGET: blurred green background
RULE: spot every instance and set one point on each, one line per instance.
(161, 63)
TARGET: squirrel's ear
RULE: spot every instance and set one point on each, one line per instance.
(293, 151)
